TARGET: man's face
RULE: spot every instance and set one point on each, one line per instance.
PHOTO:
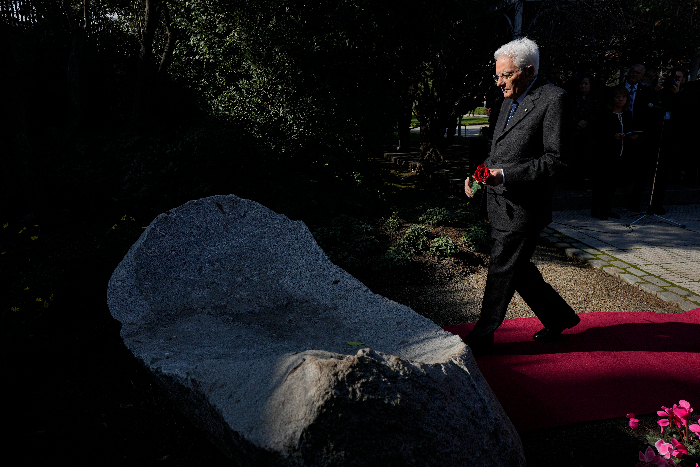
(584, 86)
(512, 80)
(679, 77)
(635, 74)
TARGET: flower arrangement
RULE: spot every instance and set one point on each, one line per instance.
(677, 437)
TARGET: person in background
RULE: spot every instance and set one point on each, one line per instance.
(678, 101)
(586, 107)
(644, 148)
(554, 76)
(613, 128)
(651, 77)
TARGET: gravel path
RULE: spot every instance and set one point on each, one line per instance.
(449, 292)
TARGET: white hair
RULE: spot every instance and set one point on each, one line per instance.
(524, 52)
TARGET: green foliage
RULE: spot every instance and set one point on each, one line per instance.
(480, 111)
(670, 25)
(396, 258)
(347, 242)
(476, 237)
(436, 216)
(443, 247)
(315, 84)
(416, 239)
(393, 222)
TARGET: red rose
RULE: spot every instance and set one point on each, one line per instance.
(482, 173)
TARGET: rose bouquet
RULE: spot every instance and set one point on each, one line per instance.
(677, 437)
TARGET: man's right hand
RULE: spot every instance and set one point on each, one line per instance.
(496, 177)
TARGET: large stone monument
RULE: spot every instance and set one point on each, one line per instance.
(284, 359)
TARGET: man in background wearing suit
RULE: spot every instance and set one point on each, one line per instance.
(527, 151)
(640, 154)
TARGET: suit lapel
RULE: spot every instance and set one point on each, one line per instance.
(526, 107)
(502, 117)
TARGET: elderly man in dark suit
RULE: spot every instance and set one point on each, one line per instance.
(527, 151)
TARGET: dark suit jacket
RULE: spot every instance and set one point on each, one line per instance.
(531, 151)
(643, 114)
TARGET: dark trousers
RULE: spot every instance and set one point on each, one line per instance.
(604, 190)
(511, 270)
(640, 164)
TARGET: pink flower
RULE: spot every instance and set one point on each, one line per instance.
(695, 428)
(634, 423)
(681, 414)
(650, 458)
(685, 405)
(677, 414)
(679, 450)
(666, 412)
(664, 448)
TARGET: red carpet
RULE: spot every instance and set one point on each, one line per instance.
(607, 366)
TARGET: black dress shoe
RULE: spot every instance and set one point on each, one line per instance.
(614, 215)
(551, 334)
(599, 215)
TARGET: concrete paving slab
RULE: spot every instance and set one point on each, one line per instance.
(658, 257)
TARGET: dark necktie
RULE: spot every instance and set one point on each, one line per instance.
(633, 89)
(512, 112)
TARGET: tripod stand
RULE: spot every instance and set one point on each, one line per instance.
(650, 212)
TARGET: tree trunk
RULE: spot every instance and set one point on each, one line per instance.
(169, 45)
(145, 67)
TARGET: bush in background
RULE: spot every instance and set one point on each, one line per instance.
(396, 258)
(416, 239)
(436, 216)
(443, 247)
(477, 238)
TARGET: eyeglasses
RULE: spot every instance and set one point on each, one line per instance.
(505, 75)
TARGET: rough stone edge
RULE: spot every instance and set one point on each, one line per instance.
(207, 417)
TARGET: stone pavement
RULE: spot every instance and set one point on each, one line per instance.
(652, 254)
